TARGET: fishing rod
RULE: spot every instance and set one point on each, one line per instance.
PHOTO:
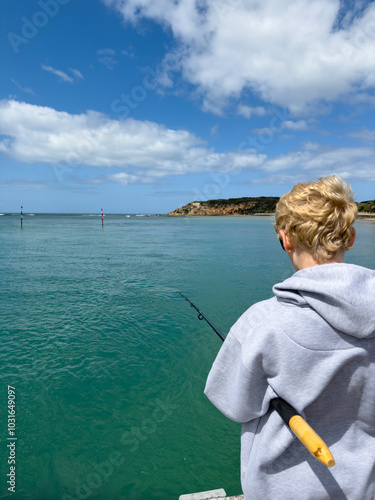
(202, 316)
(308, 437)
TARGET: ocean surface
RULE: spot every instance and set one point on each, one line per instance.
(109, 363)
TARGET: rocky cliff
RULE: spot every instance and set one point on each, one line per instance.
(232, 206)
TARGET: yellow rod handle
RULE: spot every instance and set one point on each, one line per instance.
(310, 439)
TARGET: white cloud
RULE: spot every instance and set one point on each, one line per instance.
(248, 111)
(129, 53)
(23, 89)
(77, 73)
(349, 163)
(363, 135)
(107, 52)
(214, 130)
(311, 146)
(24, 184)
(107, 58)
(147, 151)
(122, 178)
(62, 75)
(294, 54)
(299, 125)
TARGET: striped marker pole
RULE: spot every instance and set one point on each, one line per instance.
(102, 217)
(21, 216)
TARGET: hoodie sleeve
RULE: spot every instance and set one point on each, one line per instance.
(237, 383)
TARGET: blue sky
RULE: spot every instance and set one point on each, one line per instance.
(141, 106)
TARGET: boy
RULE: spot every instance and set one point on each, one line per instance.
(312, 344)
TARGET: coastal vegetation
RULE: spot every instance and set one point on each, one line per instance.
(231, 206)
(366, 206)
(246, 206)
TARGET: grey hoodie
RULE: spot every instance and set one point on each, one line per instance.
(313, 344)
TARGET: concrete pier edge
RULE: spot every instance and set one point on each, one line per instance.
(218, 494)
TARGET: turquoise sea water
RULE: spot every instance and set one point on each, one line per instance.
(109, 363)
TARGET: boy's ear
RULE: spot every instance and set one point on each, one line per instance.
(354, 232)
(287, 242)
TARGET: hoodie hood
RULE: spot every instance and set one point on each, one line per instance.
(342, 294)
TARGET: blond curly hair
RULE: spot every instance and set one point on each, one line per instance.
(318, 216)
